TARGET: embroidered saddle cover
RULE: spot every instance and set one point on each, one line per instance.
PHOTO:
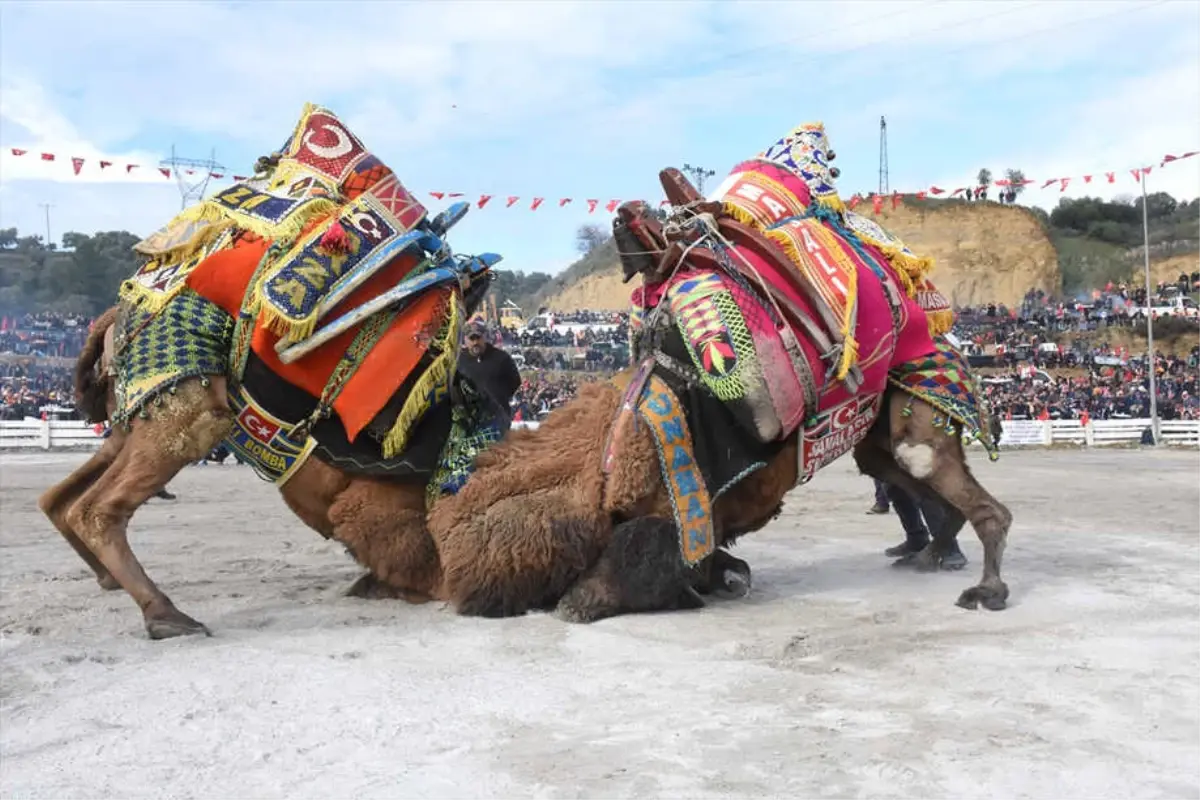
(272, 251)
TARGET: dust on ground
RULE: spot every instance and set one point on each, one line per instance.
(839, 677)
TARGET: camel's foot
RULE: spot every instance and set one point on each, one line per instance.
(731, 576)
(587, 601)
(167, 622)
(107, 582)
(368, 587)
(640, 570)
(993, 597)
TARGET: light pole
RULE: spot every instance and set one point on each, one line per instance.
(698, 174)
(1149, 314)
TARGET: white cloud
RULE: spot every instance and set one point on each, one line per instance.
(582, 99)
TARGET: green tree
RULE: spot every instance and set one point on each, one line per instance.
(1016, 180)
(985, 177)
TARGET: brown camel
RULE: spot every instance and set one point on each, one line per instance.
(551, 517)
(529, 532)
(380, 521)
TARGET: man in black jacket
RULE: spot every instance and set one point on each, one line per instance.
(491, 371)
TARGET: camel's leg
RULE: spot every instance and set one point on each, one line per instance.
(640, 570)
(56, 501)
(180, 431)
(938, 461)
(747, 507)
(382, 524)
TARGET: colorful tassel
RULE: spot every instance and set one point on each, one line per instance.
(335, 239)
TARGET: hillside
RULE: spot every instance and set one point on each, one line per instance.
(983, 252)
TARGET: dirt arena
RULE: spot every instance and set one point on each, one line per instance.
(839, 677)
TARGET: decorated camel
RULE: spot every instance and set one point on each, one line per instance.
(775, 331)
(309, 316)
(773, 327)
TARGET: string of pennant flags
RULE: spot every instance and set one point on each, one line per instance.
(877, 200)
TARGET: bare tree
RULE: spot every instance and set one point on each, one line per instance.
(985, 177)
(589, 237)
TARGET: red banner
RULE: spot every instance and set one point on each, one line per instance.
(78, 164)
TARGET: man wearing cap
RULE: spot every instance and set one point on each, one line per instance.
(491, 371)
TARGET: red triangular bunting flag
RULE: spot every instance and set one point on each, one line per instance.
(483, 199)
(1047, 183)
(1146, 170)
(16, 151)
(1137, 174)
(240, 178)
(438, 195)
(612, 205)
(563, 202)
(166, 172)
(1112, 176)
(592, 205)
(105, 164)
(76, 164)
(1087, 178)
(537, 201)
(455, 194)
(956, 191)
(130, 168)
(47, 156)
(936, 190)
(511, 200)
(920, 195)
(1065, 181)
(217, 175)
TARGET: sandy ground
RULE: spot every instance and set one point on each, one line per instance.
(838, 677)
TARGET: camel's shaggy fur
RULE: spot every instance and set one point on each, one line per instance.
(539, 511)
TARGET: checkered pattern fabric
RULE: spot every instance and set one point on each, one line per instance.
(189, 338)
(943, 380)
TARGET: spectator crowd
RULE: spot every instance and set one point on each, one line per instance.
(1038, 361)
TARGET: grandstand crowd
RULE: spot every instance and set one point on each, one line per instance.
(1035, 360)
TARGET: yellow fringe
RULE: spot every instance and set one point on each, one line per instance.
(828, 238)
(275, 320)
(439, 373)
(200, 240)
(833, 203)
(741, 215)
(940, 322)
(290, 228)
(283, 326)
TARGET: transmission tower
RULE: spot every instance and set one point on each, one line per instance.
(883, 165)
(192, 175)
(698, 175)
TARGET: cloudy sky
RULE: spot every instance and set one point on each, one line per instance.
(588, 99)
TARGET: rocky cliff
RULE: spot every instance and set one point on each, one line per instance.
(983, 252)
